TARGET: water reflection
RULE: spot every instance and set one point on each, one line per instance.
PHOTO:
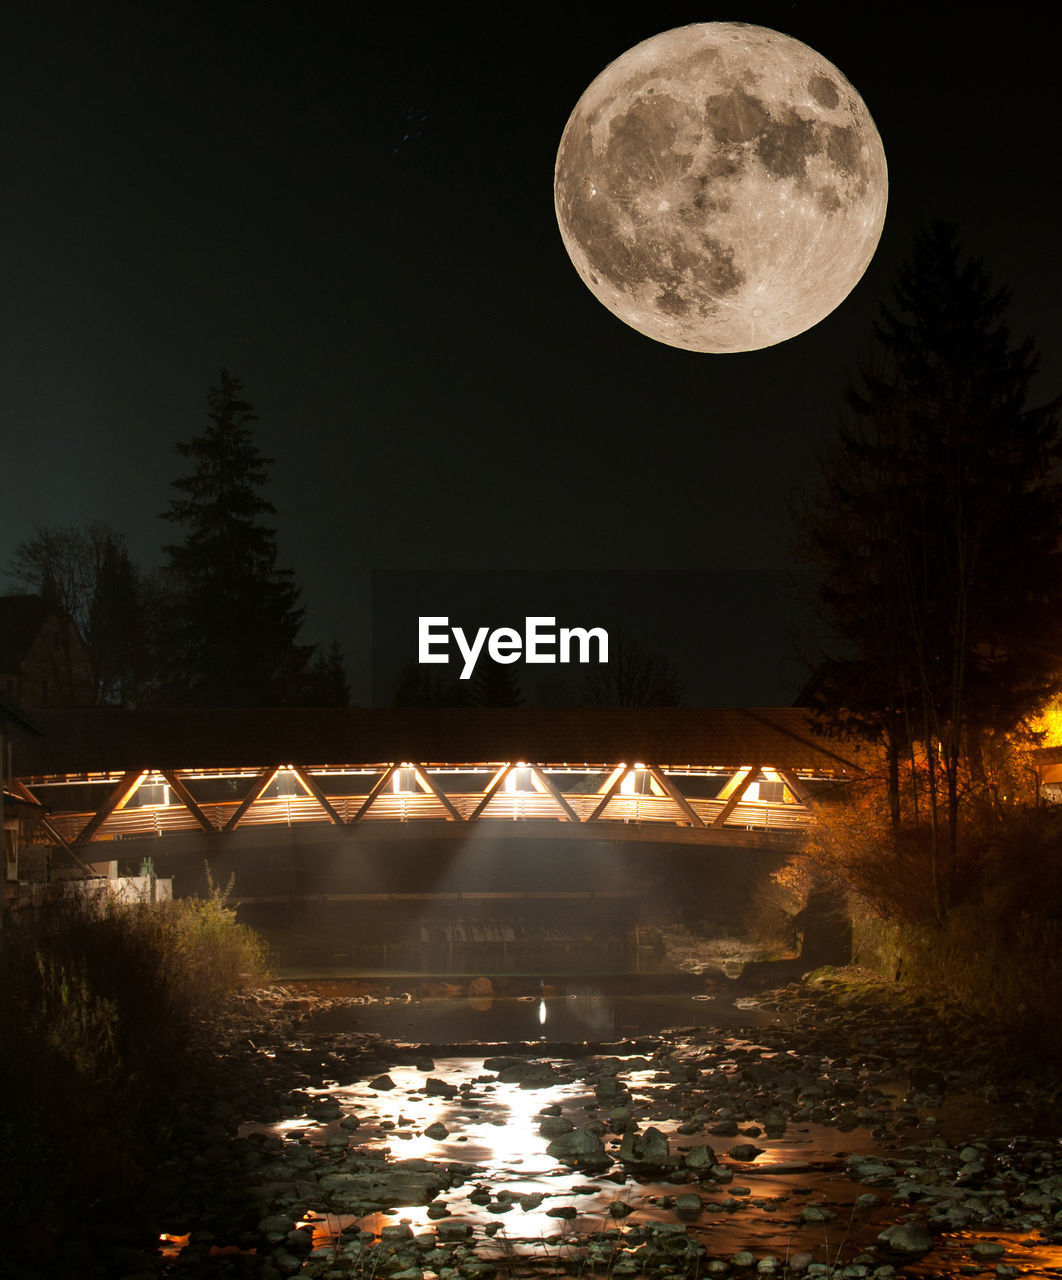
(561, 1012)
(496, 1126)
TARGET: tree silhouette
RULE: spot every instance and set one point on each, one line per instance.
(236, 616)
(86, 573)
(936, 532)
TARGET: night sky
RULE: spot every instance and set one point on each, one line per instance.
(355, 217)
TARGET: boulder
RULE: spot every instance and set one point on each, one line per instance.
(745, 1152)
(908, 1238)
(700, 1159)
(650, 1147)
(580, 1146)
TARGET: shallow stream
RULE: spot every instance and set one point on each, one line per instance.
(536, 1208)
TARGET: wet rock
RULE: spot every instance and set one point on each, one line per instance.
(746, 1152)
(554, 1126)
(648, 1148)
(580, 1146)
(528, 1074)
(908, 1238)
(436, 1088)
(700, 1159)
(688, 1205)
(987, 1251)
(562, 1211)
(453, 1232)
(436, 1131)
(381, 1083)
(276, 1226)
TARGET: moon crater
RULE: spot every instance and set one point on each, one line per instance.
(720, 187)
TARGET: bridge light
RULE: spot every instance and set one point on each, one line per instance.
(404, 780)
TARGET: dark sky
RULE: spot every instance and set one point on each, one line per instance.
(191, 185)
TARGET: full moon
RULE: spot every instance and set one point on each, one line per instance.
(720, 187)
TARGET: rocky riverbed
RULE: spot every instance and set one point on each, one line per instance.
(847, 1131)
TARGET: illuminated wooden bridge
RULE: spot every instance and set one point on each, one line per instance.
(683, 775)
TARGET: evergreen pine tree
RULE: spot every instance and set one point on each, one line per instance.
(936, 533)
(235, 616)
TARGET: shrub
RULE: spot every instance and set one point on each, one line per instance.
(100, 1003)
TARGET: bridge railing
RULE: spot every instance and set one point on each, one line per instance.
(525, 806)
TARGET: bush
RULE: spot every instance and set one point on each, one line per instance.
(101, 1003)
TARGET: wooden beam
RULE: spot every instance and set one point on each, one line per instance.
(800, 793)
(739, 790)
(125, 788)
(438, 793)
(314, 789)
(187, 799)
(51, 832)
(662, 780)
(366, 804)
(551, 787)
(491, 791)
(599, 809)
(264, 778)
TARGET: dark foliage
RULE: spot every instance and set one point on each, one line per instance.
(936, 530)
(235, 618)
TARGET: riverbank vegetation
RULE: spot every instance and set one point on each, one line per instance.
(107, 1014)
(935, 534)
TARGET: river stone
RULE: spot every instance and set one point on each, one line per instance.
(746, 1152)
(276, 1225)
(580, 1146)
(910, 1238)
(688, 1205)
(554, 1126)
(326, 1109)
(382, 1082)
(453, 1232)
(436, 1131)
(528, 1075)
(649, 1147)
(987, 1251)
(562, 1211)
(700, 1159)
(406, 1182)
(436, 1088)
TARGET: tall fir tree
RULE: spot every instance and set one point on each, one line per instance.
(235, 615)
(936, 534)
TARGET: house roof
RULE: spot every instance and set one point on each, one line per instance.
(112, 738)
(21, 619)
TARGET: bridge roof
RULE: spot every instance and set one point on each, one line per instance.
(111, 739)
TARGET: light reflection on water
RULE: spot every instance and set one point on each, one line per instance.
(495, 1126)
(564, 1013)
